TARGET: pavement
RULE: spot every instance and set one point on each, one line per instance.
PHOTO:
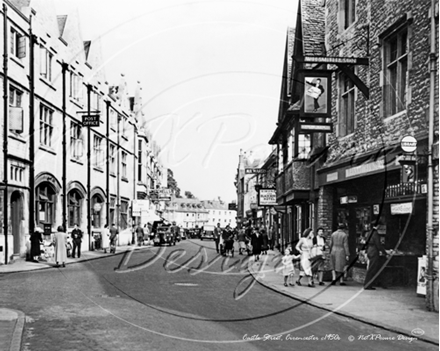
(397, 309)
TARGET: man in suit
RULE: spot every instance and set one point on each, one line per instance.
(374, 251)
(217, 233)
(76, 240)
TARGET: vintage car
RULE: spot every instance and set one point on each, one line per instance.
(164, 235)
(208, 232)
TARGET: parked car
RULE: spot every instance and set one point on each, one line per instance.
(164, 235)
(208, 232)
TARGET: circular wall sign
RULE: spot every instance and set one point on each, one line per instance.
(408, 143)
(97, 207)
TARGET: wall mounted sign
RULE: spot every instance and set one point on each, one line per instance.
(267, 197)
(317, 93)
(90, 120)
(332, 60)
(408, 143)
(254, 171)
(402, 208)
(316, 127)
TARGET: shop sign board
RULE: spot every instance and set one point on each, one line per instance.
(163, 194)
(401, 208)
(408, 143)
(333, 60)
(267, 197)
(254, 171)
(316, 127)
(90, 120)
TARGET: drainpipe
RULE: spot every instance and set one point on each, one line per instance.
(31, 131)
(5, 129)
(64, 69)
(433, 71)
(89, 170)
(118, 176)
(107, 162)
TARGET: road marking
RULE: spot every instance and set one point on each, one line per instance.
(186, 284)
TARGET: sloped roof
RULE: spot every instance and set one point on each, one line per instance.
(313, 24)
(61, 23)
(87, 48)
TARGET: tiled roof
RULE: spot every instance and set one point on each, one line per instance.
(313, 24)
(289, 53)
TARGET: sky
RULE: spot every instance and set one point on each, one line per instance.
(210, 73)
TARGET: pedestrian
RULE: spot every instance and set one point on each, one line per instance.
(76, 241)
(217, 233)
(146, 234)
(36, 240)
(304, 246)
(140, 235)
(60, 243)
(318, 261)
(113, 236)
(265, 239)
(241, 237)
(339, 253)
(257, 243)
(374, 251)
(288, 268)
(105, 238)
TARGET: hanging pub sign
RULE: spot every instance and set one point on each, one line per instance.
(267, 197)
(317, 93)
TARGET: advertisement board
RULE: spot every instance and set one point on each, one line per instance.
(267, 197)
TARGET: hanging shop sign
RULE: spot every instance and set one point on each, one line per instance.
(254, 171)
(267, 197)
(402, 208)
(163, 194)
(317, 93)
(333, 60)
(90, 120)
(316, 127)
(408, 143)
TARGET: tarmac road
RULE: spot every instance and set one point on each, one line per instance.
(183, 297)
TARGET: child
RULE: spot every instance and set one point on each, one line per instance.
(288, 269)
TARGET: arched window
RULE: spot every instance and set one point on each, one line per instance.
(74, 202)
(45, 200)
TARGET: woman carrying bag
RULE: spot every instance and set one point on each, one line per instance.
(317, 255)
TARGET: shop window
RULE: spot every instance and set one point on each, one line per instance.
(15, 110)
(18, 44)
(46, 58)
(74, 203)
(395, 71)
(46, 126)
(76, 141)
(45, 200)
(346, 122)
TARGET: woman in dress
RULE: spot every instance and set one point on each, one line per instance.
(304, 246)
(60, 241)
(36, 240)
(265, 245)
(105, 238)
(318, 265)
(257, 243)
(339, 253)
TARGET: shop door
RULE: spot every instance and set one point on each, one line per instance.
(16, 216)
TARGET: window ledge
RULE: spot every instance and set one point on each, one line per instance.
(98, 169)
(47, 149)
(398, 114)
(348, 136)
(124, 137)
(17, 137)
(17, 61)
(124, 179)
(76, 160)
(113, 175)
(75, 102)
(48, 83)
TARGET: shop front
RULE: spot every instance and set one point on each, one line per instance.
(380, 190)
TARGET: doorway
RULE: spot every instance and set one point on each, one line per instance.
(16, 218)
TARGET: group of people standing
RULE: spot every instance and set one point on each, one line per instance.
(311, 257)
(61, 243)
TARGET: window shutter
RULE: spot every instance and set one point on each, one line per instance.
(21, 46)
